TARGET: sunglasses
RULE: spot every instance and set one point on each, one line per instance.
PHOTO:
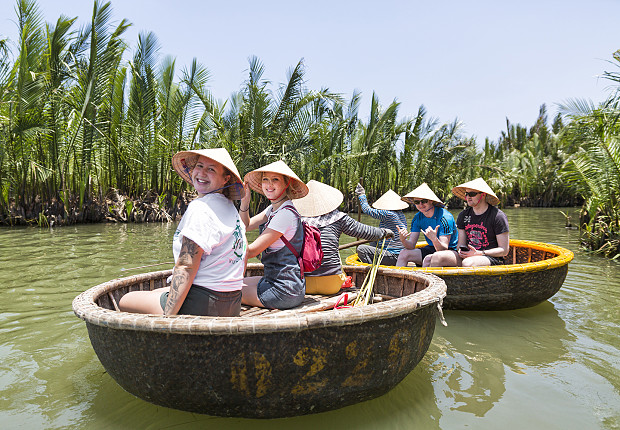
(472, 193)
(420, 202)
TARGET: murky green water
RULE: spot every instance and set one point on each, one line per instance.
(556, 365)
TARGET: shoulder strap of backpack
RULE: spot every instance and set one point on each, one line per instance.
(292, 209)
(284, 239)
(289, 246)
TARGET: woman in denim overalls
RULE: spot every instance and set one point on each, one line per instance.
(282, 285)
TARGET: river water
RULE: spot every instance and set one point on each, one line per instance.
(556, 365)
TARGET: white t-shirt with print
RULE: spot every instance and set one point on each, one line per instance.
(213, 223)
(283, 221)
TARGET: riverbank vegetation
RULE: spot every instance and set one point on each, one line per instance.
(88, 136)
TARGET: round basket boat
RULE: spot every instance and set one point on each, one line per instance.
(533, 272)
(266, 363)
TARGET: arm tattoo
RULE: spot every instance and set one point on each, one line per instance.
(179, 278)
(189, 249)
(180, 275)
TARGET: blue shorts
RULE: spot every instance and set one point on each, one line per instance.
(206, 302)
(274, 297)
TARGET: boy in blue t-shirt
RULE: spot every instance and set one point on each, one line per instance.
(435, 222)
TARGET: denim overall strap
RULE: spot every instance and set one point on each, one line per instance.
(282, 273)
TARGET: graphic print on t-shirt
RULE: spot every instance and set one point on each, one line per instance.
(477, 235)
(239, 245)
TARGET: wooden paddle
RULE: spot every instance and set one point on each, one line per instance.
(352, 244)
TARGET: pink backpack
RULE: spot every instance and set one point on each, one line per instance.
(311, 250)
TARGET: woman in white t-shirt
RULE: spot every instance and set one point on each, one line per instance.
(282, 285)
(209, 244)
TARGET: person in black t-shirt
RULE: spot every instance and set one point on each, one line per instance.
(483, 229)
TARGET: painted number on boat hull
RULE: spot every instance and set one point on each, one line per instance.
(315, 358)
(359, 374)
(399, 351)
(262, 373)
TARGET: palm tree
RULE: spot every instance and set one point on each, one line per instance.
(260, 126)
(142, 111)
(5, 70)
(96, 76)
(373, 147)
(24, 93)
(594, 169)
(327, 156)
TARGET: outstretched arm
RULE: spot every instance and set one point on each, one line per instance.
(358, 229)
(369, 210)
(262, 242)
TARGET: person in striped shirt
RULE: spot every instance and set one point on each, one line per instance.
(388, 209)
(319, 208)
(435, 222)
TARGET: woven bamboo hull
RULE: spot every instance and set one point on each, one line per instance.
(282, 364)
(534, 272)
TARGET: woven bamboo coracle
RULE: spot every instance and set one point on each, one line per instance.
(265, 363)
(533, 273)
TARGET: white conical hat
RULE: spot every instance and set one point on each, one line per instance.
(422, 192)
(390, 201)
(185, 161)
(321, 199)
(255, 178)
(477, 184)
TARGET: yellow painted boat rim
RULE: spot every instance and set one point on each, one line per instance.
(563, 257)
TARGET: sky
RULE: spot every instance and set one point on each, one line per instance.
(478, 62)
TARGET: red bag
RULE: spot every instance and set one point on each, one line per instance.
(311, 250)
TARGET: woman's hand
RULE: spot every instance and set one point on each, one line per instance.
(244, 205)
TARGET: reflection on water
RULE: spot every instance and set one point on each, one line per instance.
(477, 348)
(550, 366)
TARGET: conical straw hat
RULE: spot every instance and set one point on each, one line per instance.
(423, 192)
(184, 161)
(321, 199)
(477, 184)
(255, 177)
(390, 201)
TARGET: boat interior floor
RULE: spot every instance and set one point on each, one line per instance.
(313, 303)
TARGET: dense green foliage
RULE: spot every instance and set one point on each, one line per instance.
(79, 127)
(594, 166)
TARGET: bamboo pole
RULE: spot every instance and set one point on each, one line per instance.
(352, 244)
